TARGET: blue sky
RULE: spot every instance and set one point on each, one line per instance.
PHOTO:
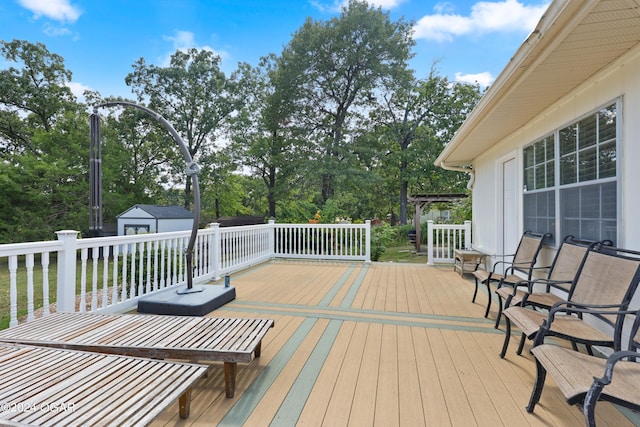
(101, 39)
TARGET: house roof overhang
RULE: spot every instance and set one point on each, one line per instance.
(572, 42)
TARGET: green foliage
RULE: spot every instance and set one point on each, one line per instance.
(335, 67)
(192, 93)
(461, 210)
(336, 124)
(382, 236)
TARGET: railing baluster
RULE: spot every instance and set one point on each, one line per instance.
(148, 255)
(105, 276)
(44, 261)
(94, 278)
(29, 263)
(125, 283)
(133, 282)
(83, 280)
(141, 268)
(116, 254)
(13, 290)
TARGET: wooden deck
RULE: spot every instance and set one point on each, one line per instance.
(377, 344)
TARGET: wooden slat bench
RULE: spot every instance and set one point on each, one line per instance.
(49, 386)
(224, 340)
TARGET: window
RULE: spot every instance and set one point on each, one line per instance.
(582, 183)
(539, 186)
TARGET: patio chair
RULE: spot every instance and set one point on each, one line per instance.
(524, 260)
(193, 338)
(562, 272)
(604, 285)
(53, 387)
(586, 379)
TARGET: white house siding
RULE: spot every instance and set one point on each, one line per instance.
(620, 79)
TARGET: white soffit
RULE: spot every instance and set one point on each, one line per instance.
(573, 41)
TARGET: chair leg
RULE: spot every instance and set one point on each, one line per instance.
(541, 374)
(475, 292)
(507, 337)
(486, 313)
(523, 338)
(499, 316)
(590, 400)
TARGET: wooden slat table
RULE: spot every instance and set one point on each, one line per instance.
(49, 386)
(207, 339)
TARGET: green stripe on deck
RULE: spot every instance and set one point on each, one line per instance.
(243, 408)
(336, 288)
(293, 404)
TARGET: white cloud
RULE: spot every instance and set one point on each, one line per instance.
(58, 10)
(337, 5)
(483, 79)
(54, 31)
(78, 89)
(184, 40)
(385, 4)
(485, 17)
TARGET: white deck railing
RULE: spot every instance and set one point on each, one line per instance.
(327, 241)
(443, 239)
(112, 273)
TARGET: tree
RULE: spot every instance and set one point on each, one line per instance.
(426, 112)
(264, 137)
(336, 67)
(193, 95)
(135, 159)
(31, 96)
(44, 154)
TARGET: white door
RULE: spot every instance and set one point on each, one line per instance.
(510, 236)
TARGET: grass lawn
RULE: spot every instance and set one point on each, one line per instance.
(21, 285)
(405, 253)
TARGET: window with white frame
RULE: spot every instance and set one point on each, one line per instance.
(581, 183)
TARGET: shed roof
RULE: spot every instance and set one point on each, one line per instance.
(162, 212)
(573, 41)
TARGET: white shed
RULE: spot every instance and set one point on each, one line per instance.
(154, 219)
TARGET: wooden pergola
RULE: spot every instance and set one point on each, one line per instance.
(419, 201)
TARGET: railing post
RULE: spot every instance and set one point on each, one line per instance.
(214, 250)
(468, 243)
(272, 238)
(430, 242)
(66, 292)
(367, 224)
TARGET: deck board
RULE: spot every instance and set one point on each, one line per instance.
(409, 349)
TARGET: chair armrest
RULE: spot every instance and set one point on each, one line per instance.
(531, 283)
(611, 362)
(570, 307)
(593, 395)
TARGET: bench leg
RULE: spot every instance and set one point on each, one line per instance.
(184, 403)
(258, 349)
(230, 378)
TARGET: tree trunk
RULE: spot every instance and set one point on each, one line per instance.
(404, 185)
(327, 186)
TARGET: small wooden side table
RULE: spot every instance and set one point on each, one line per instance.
(462, 256)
